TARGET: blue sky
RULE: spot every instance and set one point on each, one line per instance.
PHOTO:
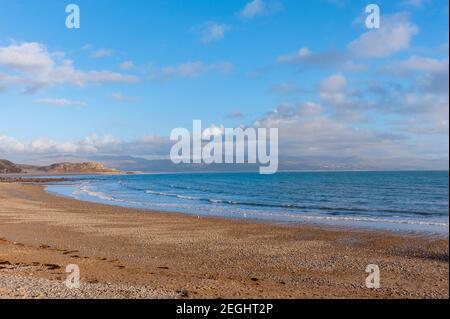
(136, 70)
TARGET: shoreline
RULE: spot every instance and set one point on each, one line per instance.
(276, 223)
(182, 256)
(343, 223)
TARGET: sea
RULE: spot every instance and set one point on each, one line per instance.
(402, 201)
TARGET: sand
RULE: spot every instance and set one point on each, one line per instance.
(129, 253)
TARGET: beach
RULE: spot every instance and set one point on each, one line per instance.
(131, 253)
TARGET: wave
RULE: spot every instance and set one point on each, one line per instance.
(375, 220)
(307, 217)
(172, 195)
(86, 189)
(331, 210)
(187, 197)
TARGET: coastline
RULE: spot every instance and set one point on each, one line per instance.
(317, 222)
(182, 256)
(344, 216)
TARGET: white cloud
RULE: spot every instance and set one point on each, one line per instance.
(434, 82)
(119, 97)
(417, 63)
(301, 55)
(10, 145)
(91, 145)
(127, 65)
(415, 3)
(305, 131)
(102, 53)
(87, 46)
(253, 8)
(310, 109)
(333, 90)
(190, 70)
(212, 31)
(59, 102)
(429, 75)
(395, 35)
(424, 113)
(32, 67)
(305, 58)
(256, 8)
(26, 57)
(287, 88)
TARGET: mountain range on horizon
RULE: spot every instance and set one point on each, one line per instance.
(140, 164)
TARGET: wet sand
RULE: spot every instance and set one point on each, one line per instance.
(130, 253)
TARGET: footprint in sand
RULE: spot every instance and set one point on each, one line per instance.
(68, 252)
(103, 259)
(52, 266)
(183, 293)
(19, 244)
(92, 281)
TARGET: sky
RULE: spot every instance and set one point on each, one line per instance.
(135, 70)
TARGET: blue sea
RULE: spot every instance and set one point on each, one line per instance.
(396, 201)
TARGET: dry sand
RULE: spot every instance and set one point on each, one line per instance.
(129, 253)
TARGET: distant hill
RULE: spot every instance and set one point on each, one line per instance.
(88, 167)
(7, 167)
